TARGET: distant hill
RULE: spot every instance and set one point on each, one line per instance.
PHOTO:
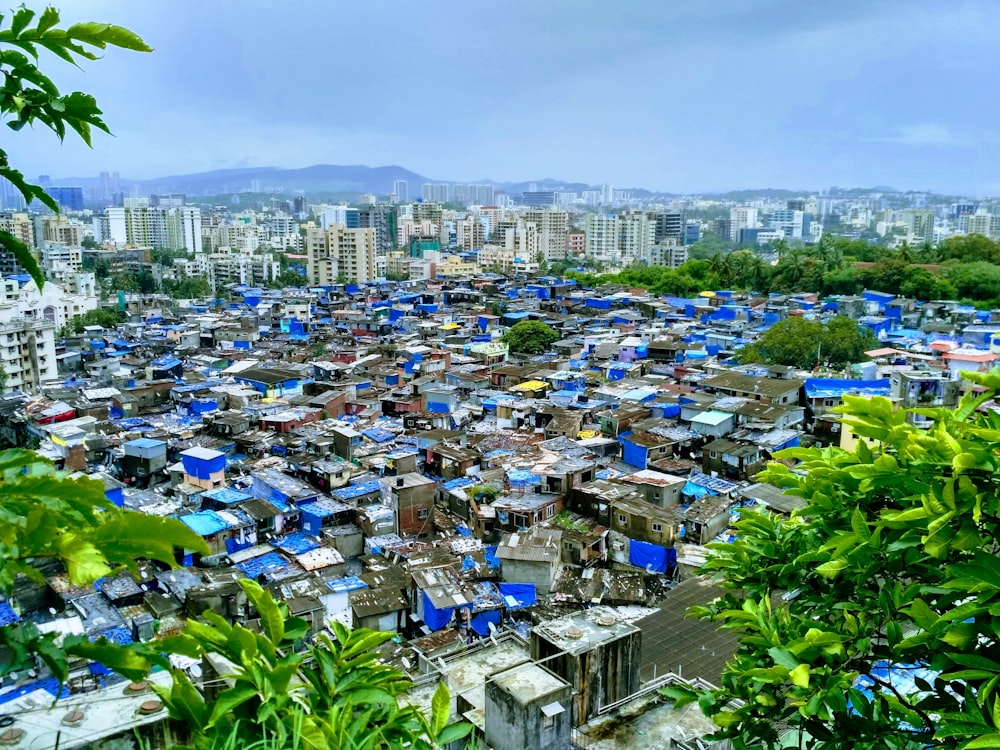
(319, 178)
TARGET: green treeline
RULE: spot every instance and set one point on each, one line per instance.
(964, 268)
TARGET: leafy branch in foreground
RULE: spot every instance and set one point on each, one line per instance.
(28, 96)
(283, 692)
(44, 515)
(871, 617)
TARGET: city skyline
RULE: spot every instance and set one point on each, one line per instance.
(709, 98)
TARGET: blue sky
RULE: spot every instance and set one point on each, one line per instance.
(678, 95)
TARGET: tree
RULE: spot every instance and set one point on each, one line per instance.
(530, 337)
(190, 287)
(805, 343)
(871, 617)
(332, 693)
(28, 96)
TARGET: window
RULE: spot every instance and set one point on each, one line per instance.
(550, 510)
(423, 513)
(713, 454)
(657, 527)
(622, 518)
(548, 722)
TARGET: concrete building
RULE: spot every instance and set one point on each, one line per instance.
(741, 217)
(552, 227)
(339, 253)
(436, 192)
(528, 706)
(602, 242)
(596, 653)
(19, 224)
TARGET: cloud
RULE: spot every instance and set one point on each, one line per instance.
(929, 135)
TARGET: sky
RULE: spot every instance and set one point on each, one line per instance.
(678, 95)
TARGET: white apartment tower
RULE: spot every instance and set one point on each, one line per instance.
(742, 217)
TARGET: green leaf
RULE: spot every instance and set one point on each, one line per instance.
(832, 568)
(125, 660)
(800, 676)
(986, 742)
(23, 255)
(783, 658)
(440, 709)
(270, 616)
(230, 699)
(453, 733)
(48, 19)
(84, 561)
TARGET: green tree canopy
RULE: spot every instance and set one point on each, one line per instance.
(871, 617)
(190, 287)
(530, 337)
(803, 343)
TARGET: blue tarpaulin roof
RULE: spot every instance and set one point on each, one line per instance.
(266, 563)
(228, 496)
(352, 491)
(518, 595)
(378, 435)
(296, 543)
(205, 522)
(348, 583)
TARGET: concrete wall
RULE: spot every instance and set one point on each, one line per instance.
(542, 574)
(512, 725)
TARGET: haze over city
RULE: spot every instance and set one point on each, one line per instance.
(679, 96)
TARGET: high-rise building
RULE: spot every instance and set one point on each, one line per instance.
(330, 215)
(692, 232)
(552, 226)
(137, 223)
(962, 209)
(70, 198)
(795, 204)
(473, 195)
(636, 236)
(174, 200)
(722, 228)
(383, 219)
(337, 253)
(435, 192)
(540, 198)
(602, 238)
(400, 191)
(669, 225)
(742, 217)
(520, 237)
(470, 232)
(21, 226)
(792, 224)
(981, 222)
(919, 224)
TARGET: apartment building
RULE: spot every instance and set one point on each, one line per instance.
(552, 227)
(338, 253)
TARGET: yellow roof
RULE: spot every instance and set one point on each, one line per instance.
(450, 326)
(531, 385)
(706, 294)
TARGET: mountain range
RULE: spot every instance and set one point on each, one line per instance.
(319, 178)
(350, 180)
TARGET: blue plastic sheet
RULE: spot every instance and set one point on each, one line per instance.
(650, 557)
(435, 618)
(481, 622)
(518, 595)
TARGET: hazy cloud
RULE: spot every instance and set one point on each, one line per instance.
(682, 95)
